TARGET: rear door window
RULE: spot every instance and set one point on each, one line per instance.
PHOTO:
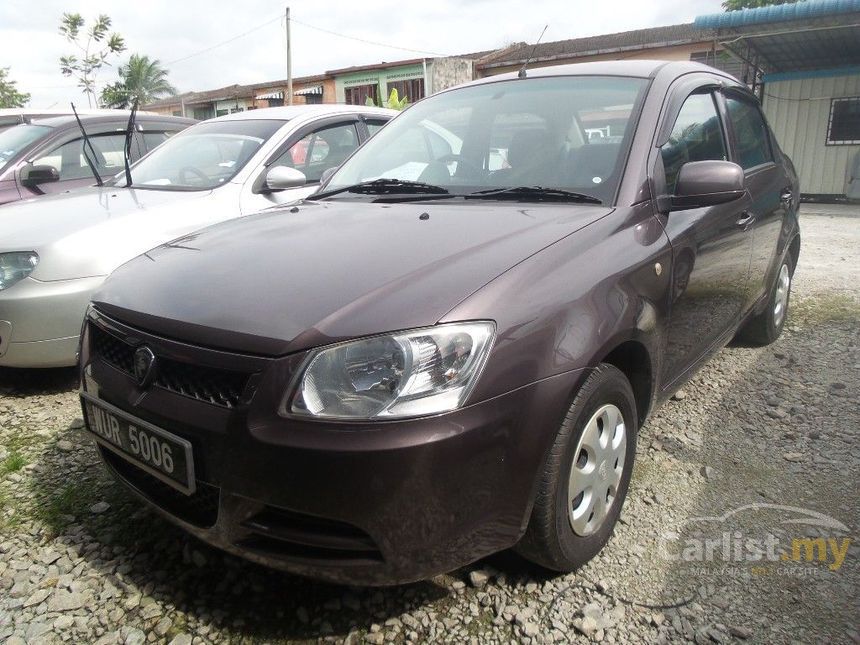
(752, 144)
(696, 136)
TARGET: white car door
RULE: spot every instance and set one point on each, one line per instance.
(312, 149)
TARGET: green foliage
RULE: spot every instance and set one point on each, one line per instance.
(14, 462)
(95, 45)
(394, 101)
(736, 5)
(140, 78)
(10, 97)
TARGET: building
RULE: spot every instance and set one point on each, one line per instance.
(414, 79)
(803, 60)
(238, 98)
(674, 42)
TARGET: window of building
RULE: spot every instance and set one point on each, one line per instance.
(696, 136)
(413, 89)
(358, 94)
(843, 128)
(752, 143)
(313, 99)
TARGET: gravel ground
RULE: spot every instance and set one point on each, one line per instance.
(755, 431)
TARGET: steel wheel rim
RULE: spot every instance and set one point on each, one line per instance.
(783, 284)
(595, 474)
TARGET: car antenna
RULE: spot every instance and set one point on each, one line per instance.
(522, 72)
(89, 145)
(129, 132)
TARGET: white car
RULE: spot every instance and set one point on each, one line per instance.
(56, 250)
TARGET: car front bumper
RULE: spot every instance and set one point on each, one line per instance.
(40, 322)
(380, 503)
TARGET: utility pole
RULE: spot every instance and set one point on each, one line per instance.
(289, 64)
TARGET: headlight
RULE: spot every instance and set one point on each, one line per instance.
(14, 267)
(408, 374)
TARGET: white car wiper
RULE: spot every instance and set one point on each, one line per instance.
(536, 193)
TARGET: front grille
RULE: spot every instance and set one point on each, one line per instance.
(285, 533)
(199, 509)
(212, 385)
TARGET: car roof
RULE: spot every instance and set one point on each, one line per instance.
(118, 115)
(289, 112)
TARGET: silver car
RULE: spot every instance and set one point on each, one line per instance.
(55, 251)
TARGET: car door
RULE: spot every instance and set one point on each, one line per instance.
(711, 246)
(68, 159)
(766, 180)
(312, 149)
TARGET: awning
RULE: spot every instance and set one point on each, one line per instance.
(316, 89)
(799, 37)
(270, 95)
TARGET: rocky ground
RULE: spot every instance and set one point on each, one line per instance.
(756, 431)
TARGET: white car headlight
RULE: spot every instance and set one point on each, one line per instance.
(14, 267)
(414, 373)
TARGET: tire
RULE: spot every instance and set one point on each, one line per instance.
(551, 539)
(767, 326)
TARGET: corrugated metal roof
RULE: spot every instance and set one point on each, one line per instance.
(777, 13)
(589, 45)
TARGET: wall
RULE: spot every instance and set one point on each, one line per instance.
(448, 72)
(798, 111)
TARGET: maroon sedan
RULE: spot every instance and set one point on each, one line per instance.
(440, 356)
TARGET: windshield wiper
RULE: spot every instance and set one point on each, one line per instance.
(129, 132)
(90, 162)
(537, 193)
(385, 187)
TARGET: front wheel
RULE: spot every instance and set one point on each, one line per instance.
(767, 326)
(586, 476)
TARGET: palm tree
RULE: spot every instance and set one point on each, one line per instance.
(142, 79)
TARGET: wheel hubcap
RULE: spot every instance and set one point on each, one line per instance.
(783, 283)
(596, 471)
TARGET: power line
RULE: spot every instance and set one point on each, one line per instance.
(224, 42)
(362, 40)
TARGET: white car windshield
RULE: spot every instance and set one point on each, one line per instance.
(15, 139)
(204, 156)
(569, 133)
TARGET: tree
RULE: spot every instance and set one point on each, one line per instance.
(141, 78)
(95, 50)
(394, 101)
(10, 97)
(736, 5)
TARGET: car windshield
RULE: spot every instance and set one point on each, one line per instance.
(565, 132)
(204, 156)
(15, 139)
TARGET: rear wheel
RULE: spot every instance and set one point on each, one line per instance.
(767, 326)
(586, 476)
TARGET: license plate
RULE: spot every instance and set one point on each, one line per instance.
(158, 452)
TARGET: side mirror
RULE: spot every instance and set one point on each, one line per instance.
(326, 174)
(707, 183)
(283, 177)
(31, 176)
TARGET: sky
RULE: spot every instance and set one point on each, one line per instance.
(188, 36)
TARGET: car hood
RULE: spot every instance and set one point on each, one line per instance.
(91, 231)
(286, 280)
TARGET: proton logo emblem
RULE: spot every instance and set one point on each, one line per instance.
(144, 366)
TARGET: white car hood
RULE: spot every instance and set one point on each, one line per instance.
(90, 232)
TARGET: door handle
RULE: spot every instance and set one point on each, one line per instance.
(786, 196)
(745, 220)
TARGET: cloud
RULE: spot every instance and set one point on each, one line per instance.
(168, 30)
